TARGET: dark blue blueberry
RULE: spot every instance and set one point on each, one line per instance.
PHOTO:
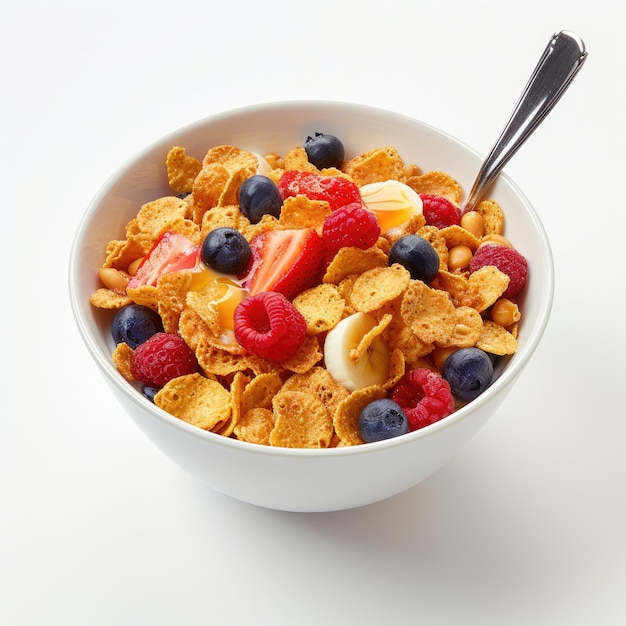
(150, 392)
(134, 324)
(417, 256)
(469, 371)
(382, 419)
(324, 151)
(225, 250)
(259, 196)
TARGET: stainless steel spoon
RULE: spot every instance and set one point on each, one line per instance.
(560, 62)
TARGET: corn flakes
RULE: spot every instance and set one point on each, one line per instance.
(438, 184)
(255, 426)
(296, 403)
(322, 307)
(181, 169)
(376, 287)
(196, 400)
(375, 166)
(302, 421)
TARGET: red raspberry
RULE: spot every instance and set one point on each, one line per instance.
(351, 225)
(162, 357)
(336, 190)
(439, 211)
(269, 326)
(424, 396)
(507, 260)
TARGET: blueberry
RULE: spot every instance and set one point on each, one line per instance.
(150, 392)
(382, 419)
(259, 196)
(324, 151)
(469, 372)
(134, 324)
(225, 250)
(416, 255)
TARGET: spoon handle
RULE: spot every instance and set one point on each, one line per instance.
(560, 62)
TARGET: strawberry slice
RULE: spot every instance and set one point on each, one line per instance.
(287, 261)
(172, 252)
(338, 191)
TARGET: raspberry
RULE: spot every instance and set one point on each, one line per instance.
(424, 396)
(507, 260)
(439, 211)
(351, 225)
(269, 326)
(336, 190)
(162, 357)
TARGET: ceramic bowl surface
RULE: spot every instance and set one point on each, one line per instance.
(288, 479)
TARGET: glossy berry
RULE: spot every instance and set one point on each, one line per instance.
(469, 372)
(417, 256)
(351, 225)
(225, 250)
(439, 211)
(269, 326)
(338, 191)
(134, 324)
(324, 151)
(382, 419)
(162, 357)
(507, 260)
(149, 392)
(424, 396)
(259, 196)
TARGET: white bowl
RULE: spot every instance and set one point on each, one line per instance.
(295, 479)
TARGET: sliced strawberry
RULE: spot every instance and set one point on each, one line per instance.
(172, 252)
(338, 191)
(286, 261)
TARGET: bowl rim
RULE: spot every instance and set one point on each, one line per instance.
(106, 367)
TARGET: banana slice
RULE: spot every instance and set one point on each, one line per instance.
(355, 354)
(264, 167)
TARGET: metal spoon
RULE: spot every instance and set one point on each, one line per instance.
(560, 62)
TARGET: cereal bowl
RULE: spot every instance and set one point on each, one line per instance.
(288, 478)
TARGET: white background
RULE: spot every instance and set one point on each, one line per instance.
(526, 526)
